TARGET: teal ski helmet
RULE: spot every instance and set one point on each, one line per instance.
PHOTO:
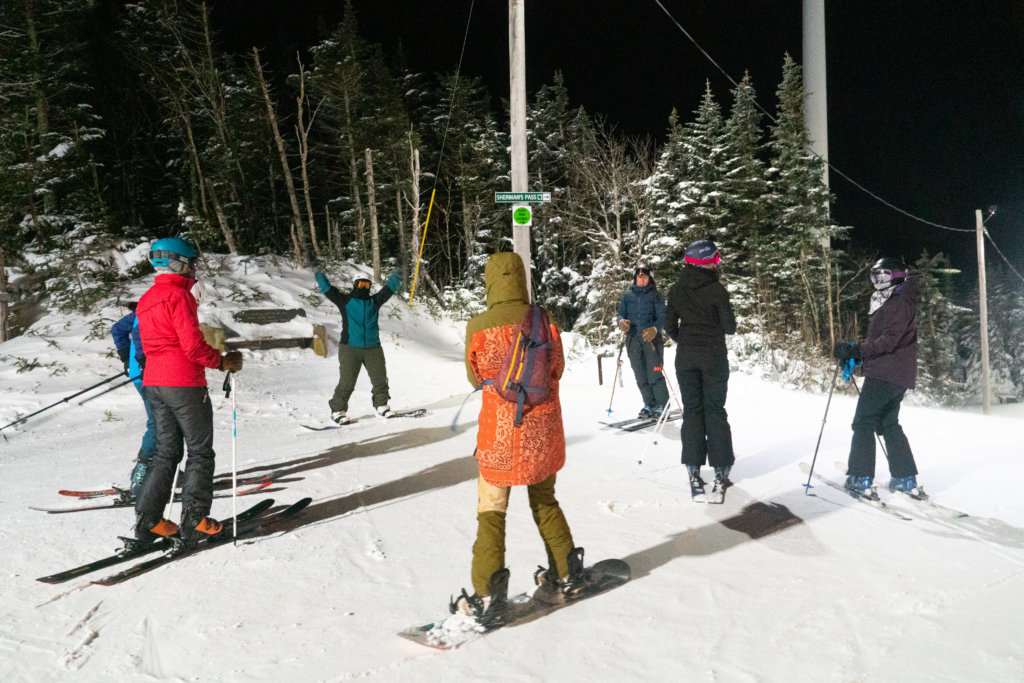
(174, 255)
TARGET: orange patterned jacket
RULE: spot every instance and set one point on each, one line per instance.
(510, 455)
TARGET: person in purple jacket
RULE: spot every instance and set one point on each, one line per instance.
(889, 356)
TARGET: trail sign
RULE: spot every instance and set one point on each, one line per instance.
(516, 197)
(522, 215)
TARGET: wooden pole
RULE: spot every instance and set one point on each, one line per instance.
(986, 400)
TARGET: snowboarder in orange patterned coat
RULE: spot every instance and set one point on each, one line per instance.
(508, 455)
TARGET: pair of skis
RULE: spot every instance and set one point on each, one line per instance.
(126, 499)
(927, 506)
(637, 423)
(249, 521)
(418, 412)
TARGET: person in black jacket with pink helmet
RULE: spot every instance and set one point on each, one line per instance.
(697, 318)
(889, 357)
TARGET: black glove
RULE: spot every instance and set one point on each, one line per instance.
(844, 350)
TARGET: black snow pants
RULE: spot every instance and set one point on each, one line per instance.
(180, 413)
(645, 359)
(703, 375)
(878, 411)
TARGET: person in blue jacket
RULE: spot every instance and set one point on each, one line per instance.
(359, 344)
(642, 319)
(129, 349)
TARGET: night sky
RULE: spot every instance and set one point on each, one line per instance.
(926, 97)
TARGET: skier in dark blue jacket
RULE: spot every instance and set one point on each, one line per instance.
(359, 344)
(642, 319)
(129, 349)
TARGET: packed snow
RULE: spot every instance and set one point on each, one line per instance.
(774, 585)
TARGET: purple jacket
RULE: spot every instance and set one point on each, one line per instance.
(890, 349)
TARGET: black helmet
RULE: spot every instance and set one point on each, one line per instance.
(702, 253)
(888, 271)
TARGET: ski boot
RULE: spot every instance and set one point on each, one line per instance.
(908, 485)
(861, 486)
(720, 485)
(138, 475)
(148, 530)
(645, 413)
(697, 492)
(491, 610)
(194, 526)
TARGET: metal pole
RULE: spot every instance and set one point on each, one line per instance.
(517, 120)
(986, 400)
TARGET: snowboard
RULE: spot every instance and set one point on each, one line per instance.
(458, 629)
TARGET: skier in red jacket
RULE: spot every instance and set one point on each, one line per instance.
(177, 356)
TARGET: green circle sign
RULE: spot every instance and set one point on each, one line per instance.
(522, 215)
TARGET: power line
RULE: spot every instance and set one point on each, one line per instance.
(823, 160)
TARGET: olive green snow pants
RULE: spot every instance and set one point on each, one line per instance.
(351, 360)
(489, 549)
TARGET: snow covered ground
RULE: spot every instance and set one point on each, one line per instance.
(774, 585)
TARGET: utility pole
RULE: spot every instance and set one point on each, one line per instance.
(517, 117)
(815, 86)
(986, 400)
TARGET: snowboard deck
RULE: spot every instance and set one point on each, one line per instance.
(458, 629)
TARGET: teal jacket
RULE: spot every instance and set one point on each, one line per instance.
(359, 310)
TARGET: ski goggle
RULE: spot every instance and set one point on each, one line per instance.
(883, 276)
(712, 261)
(362, 284)
(643, 271)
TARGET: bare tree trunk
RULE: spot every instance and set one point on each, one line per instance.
(302, 132)
(354, 178)
(194, 151)
(403, 263)
(42, 107)
(414, 164)
(4, 297)
(298, 237)
(221, 218)
(371, 201)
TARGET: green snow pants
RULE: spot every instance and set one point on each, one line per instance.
(351, 360)
(489, 549)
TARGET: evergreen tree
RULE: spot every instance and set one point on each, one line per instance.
(797, 253)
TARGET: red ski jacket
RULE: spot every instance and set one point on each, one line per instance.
(176, 352)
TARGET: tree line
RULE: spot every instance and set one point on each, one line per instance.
(121, 122)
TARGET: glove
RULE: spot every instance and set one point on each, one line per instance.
(231, 361)
(649, 333)
(844, 350)
(624, 325)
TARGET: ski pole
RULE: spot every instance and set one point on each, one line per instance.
(659, 426)
(234, 466)
(174, 485)
(835, 376)
(63, 400)
(109, 389)
(664, 374)
(618, 367)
